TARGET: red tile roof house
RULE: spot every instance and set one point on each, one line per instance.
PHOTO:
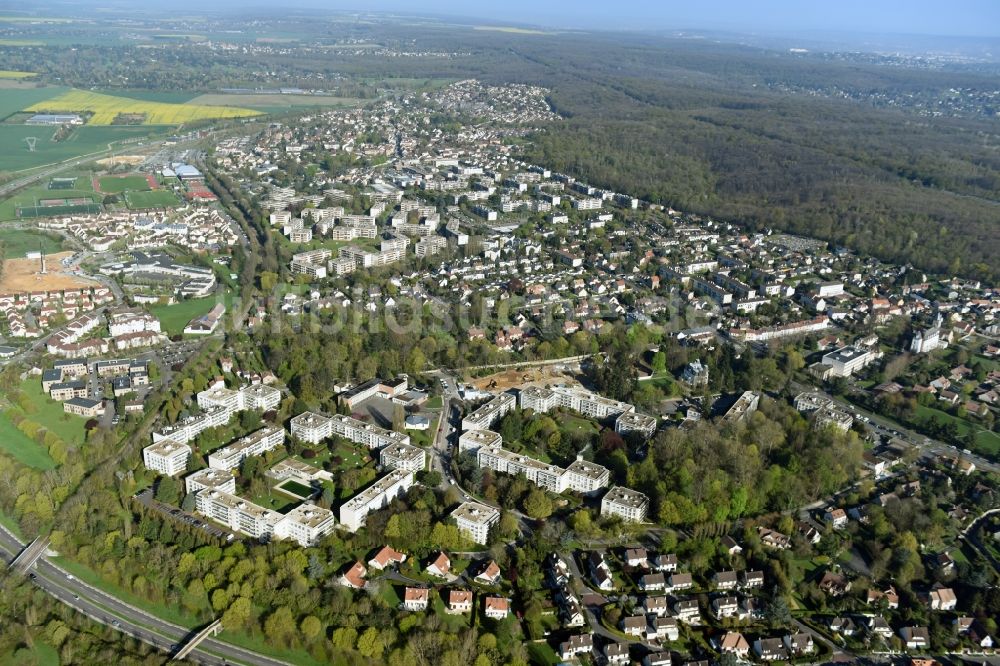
(497, 608)
(355, 576)
(386, 557)
(490, 575)
(459, 601)
(440, 566)
(416, 598)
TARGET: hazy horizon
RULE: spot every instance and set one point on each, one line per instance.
(961, 18)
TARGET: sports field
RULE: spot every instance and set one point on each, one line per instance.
(30, 196)
(150, 199)
(119, 184)
(105, 109)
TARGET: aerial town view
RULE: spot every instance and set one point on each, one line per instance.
(459, 334)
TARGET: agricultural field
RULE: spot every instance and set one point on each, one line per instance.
(276, 102)
(140, 200)
(16, 156)
(106, 109)
(8, 74)
(17, 242)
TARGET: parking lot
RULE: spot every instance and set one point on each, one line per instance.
(145, 497)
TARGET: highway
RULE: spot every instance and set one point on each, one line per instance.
(110, 611)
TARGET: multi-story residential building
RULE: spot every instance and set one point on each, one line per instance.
(585, 477)
(237, 514)
(84, 407)
(374, 497)
(625, 503)
(473, 440)
(475, 520)
(541, 474)
(67, 390)
(430, 245)
(847, 360)
(209, 479)
(403, 457)
(634, 422)
(306, 524)
(167, 457)
(360, 432)
(186, 430)
(311, 427)
(230, 456)
(484, 417)
(580, 400)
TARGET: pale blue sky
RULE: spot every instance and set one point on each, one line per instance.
(926, 17)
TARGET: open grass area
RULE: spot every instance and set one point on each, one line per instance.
(21, 447)
(173, 318)
(105, 109)
(276, 501)
(151, 199)
(39, 654)
(987, 442)
(541, 653)
(119, 184)
(295, 488)
(50, 414)
(18, 242)
(16, 156)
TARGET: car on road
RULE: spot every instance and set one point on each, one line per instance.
(70, 577)
(76, 596)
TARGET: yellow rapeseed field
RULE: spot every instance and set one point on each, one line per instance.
(9, 74)
(105, 108)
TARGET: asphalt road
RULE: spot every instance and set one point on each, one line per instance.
(110, 611)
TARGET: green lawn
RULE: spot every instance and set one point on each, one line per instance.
(151, 199)
(295, 488)
(542, 654)
(23, 449)
(276, 501)
(50, 413)
(18, 242)
(173, 318)
(40, 654)
(987, 442)
(119, 184)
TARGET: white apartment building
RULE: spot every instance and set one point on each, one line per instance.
(167, 456)
(237, 514)
(186, 430)
(374, 497)
(585, 477)
(256, 396)
(306, 524)
(473, 440)
(230, 456)
(581, 476)
(125, 323)
(360, 432)
(311, 427)
(507, 462)
(475, 520)
(579, 400)
(847, 360)
(403, 457)
(634, 422)
(627, 504)
(210, 479)
(430, 245)
(484, 417)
